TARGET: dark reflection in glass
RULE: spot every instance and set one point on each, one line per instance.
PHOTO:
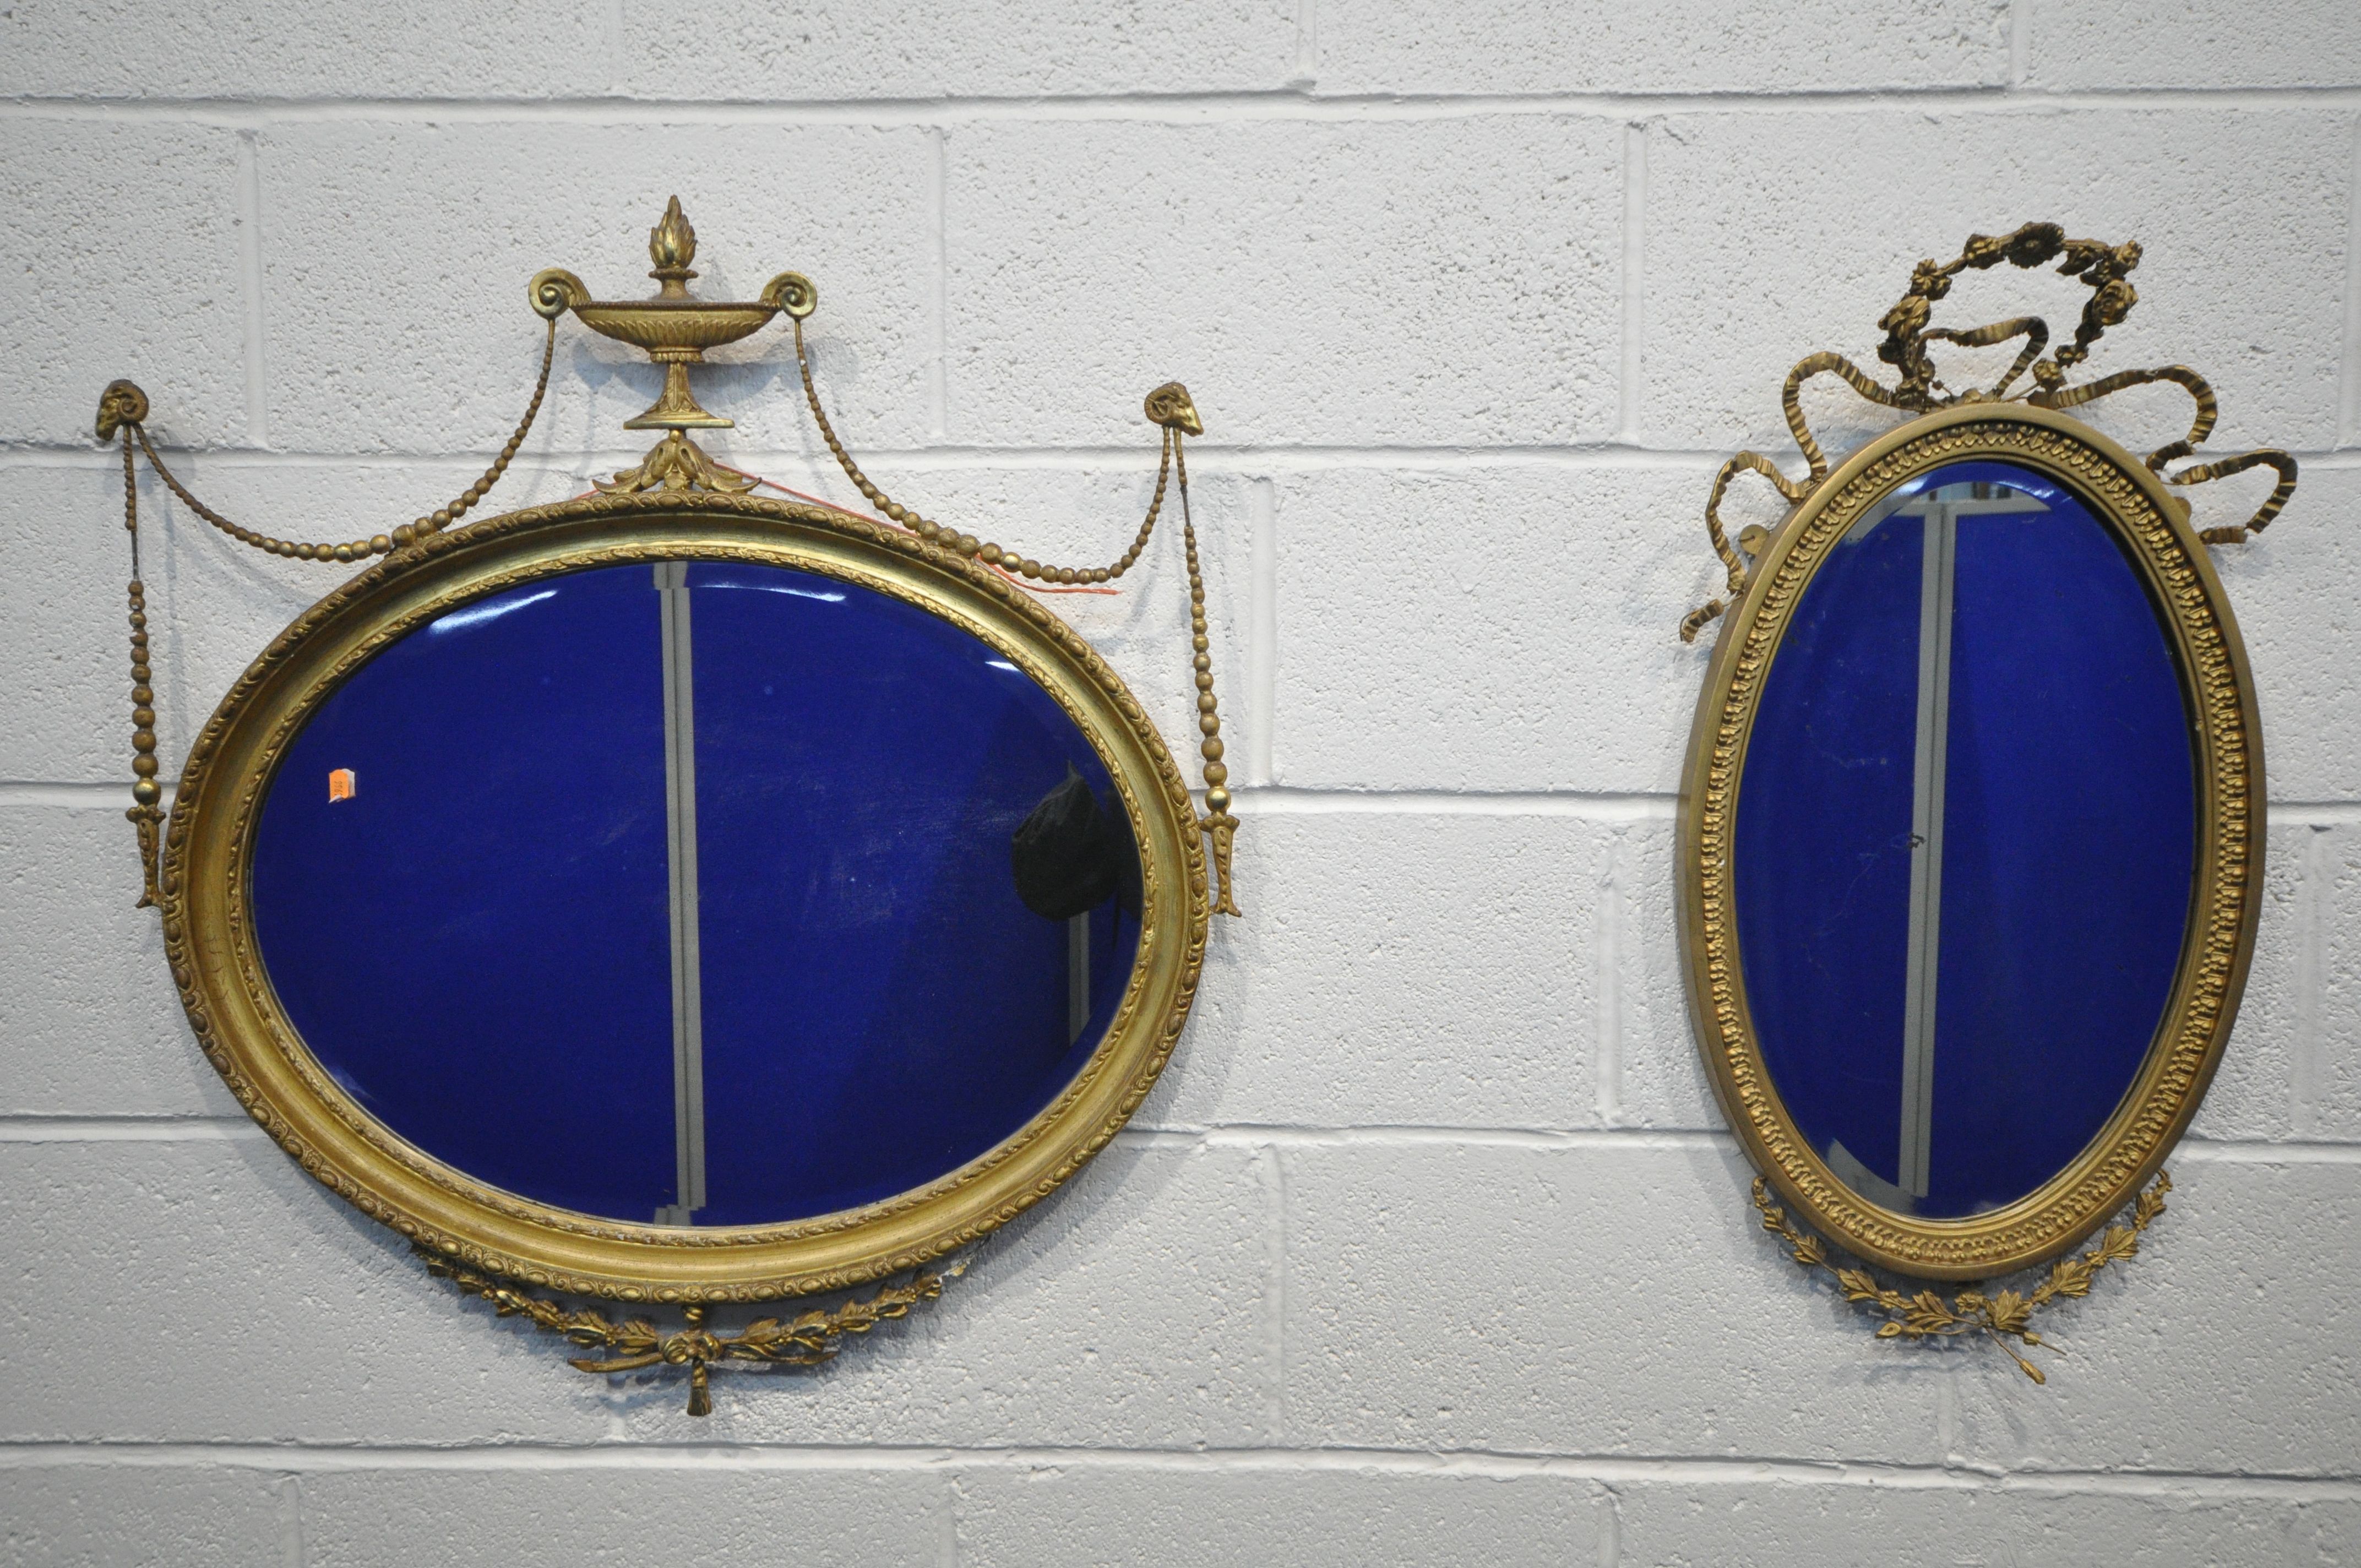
(695, 894)
(1966, 841)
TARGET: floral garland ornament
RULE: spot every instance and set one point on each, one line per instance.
(2000, 1316)
(803, 1341)
(2105, 270)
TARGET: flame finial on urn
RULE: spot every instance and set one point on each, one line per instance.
(671, 246)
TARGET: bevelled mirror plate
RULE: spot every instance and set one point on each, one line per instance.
(1969, 830)
(685, 897)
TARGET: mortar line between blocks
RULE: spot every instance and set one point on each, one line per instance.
(938, 374)
(291, 1521)
(947, 1552)
(1173, 108)
(1610, 1512)
(1610, 1469)
(2348, 430)
(614, 28)
(250, 268)
(1273, 1160)
(1607, 965)
(170, 1129)
(1262, 632)
(1634, 280)
(1246, 459)
(77, 797)
(2020, 42)
(1279, 800)
(1275, 800)
(1206, 456)
(2315, 879)
(200, 1127)
(1307, 45)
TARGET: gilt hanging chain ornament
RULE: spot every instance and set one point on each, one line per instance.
(675, 330)
(868, 906)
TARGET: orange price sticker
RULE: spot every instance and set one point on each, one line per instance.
(340, 784)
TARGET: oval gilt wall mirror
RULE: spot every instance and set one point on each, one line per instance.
(676, 894)
(652, 862)
(1972, 816)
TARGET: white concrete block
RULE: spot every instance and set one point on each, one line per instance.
(65, 635)
(1132, 1310)
(691, 1512)
(1574, 1300)
(124, 249)
(1659, 1080)
(2250, 1095)
(1519, 46)
(2293, 588)
(1514, 627)
(1400, 969)
(1770, 237)
(97, 1514)
(2221, 1348)
(1006, 47)
(1043, 1518)
(270, 49)
(1315, 282)
(396, 257)
(2088, 44)
(89, 1025)
(1759, 1524)
(2328, 1042)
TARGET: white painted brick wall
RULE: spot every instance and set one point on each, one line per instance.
(1429, 1248)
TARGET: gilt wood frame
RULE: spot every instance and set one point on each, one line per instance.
(245, 1032)
(2132, 503)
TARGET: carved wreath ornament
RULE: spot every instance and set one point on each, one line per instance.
(805, 1340)
(2107, 269)
(2002, 1316)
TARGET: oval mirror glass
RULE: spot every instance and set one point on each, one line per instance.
(1966, 834)
(696, 892)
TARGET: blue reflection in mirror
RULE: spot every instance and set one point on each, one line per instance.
(697, 893)
(1966, 841)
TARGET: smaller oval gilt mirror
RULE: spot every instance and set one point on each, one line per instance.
(1972, 814)
(1966, 826)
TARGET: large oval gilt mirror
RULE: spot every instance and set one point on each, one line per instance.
(1972, 815)
(677, 894)
(653, 863)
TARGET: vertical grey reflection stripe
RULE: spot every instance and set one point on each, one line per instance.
(680, 823)
(1938, 562)
(1077, 976)
(1938, 554)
